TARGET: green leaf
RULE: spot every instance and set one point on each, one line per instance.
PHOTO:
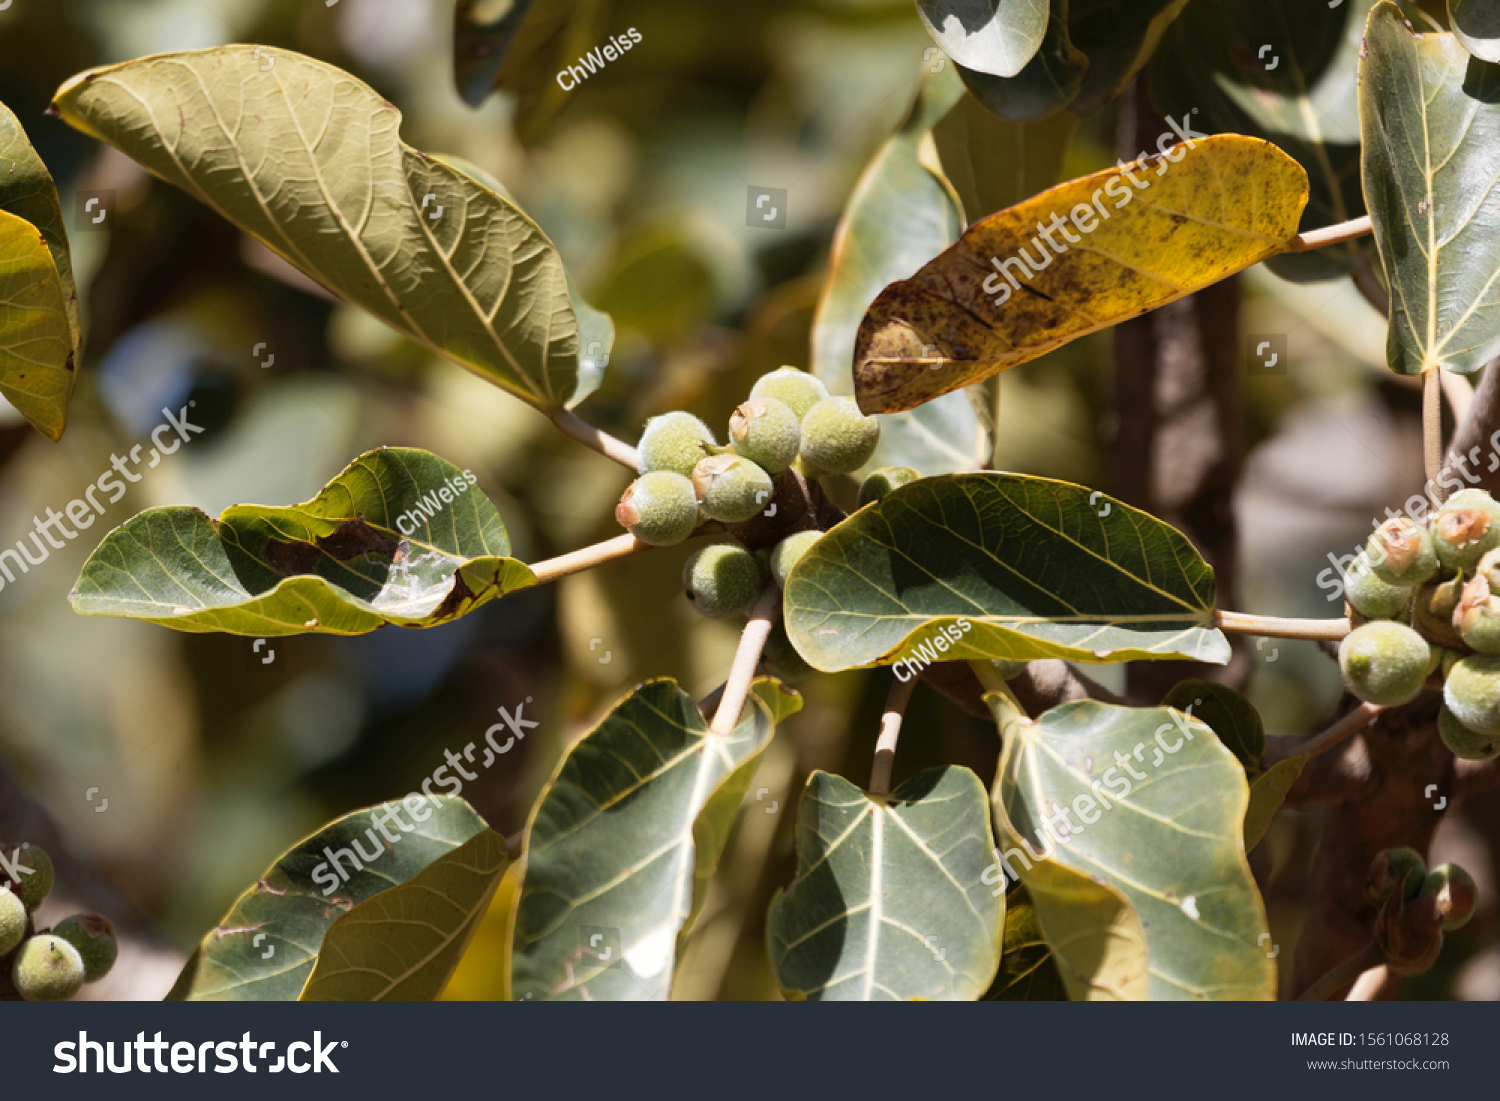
(1213, 207)
(1207, 78)
(1047, 84)
(36, 344)
(900, 215)
(1267, 792)
(1430, 116)
(990, 36)
(300, 897)
(1027, 972)
(1016, 567)
(405, 943)
(888, 903)
(622, 843)
(1118, 37)
(994, 164)
(1228, 714)
(27, 191)
(1476, 23)
(359, 555)
(309, 160)
(1149, 804)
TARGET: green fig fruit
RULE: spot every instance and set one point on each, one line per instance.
(675, 442)
(1385, 663)
(798, 389)
(47, 969)
(659, 508)
(94, 937)
(1470, 745)
(1453, 892)
(12, 921)
(786, 553)
(887, 478)
(837, 437)
(731, 488)
(1371, 596)
(1401, 553)
(723, 580)
(765, 431)
(1472, 693)
(34, 867)
(1387, 870)
(1465, 529)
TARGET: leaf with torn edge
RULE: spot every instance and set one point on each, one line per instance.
(401, 536)
(309, 160)
(1148, 234)
(623, 840)
(992, 565)
(404, 944)
(1430, 118)
(269, 942)
(888, 903)
(1148, 803)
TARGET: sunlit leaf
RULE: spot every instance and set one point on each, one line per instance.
(1476, 23)
(1286, 71)
(888, 903)
(27, 191)
(36, 344)
(1000, 566)
(900, 215)
(309, 160)
(624, 839)
(1227, 202)
(1148, 803)
(404, 943)
(1430, 117)
(1047, 83)
(990, 36)
(267, 945)
(401, 536)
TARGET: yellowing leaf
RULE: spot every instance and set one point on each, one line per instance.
(1125, 241)
(36, 343)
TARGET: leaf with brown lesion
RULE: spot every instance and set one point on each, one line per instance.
(1144, 235)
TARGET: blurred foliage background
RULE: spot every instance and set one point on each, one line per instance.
(213, 761)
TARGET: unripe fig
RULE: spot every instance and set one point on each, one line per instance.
(764, 430)
(94, 937)
(1472, 692)
(1433, 606)
(731, 488)
(723, 580)
(798, 389)
(1489, 569)
(1372, 597)
(1478, 617)
(1384, 663)
(1462, 742)
(47, 969)
(12, 921)
(1401, 553)
(837, 437)
(780, 658)
(1453, 892)
(1465, 529)
(786, 553)
(659, 508)
(674, 442)
(35, 885)
(1386, 871)
(887, 478)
